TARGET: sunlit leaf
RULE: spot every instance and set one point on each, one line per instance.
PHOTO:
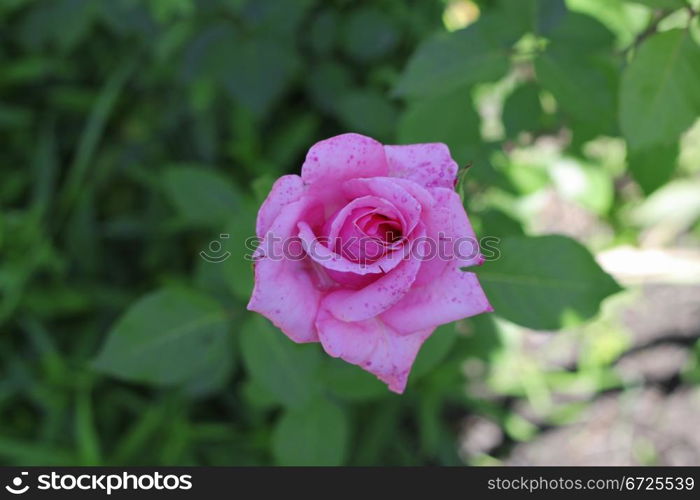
(545, 282)
(659, 96)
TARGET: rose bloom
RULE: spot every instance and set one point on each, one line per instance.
(362, 253)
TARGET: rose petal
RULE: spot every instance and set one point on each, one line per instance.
(387, 189)
(285, 190)
(453, 295)
(373, 346)
(429, 165)
(450, 219)
(285, 292)
(421, 194)
(375, 298)
(343, 157)
(339, 220)
(321, 254)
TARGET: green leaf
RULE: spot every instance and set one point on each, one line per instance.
(316, 434)
(369, 34)
(259, 71)
(522, 111)
(545, 282)
(662, 4)
(653, 167)
(534, 16)
(237, 250)
(579, 69)
(449, 118)
(213, 377)
(326, 82)
(434, 350)
(202, 197)
(583, 32)
(77, 17)
(478, 53)
(367, 112)
(659, 96)
(287, 370)
(323, 32)
(168, 337)
(351, 382)
(495, 223)
(253, 71)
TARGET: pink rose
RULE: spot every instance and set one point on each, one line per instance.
(363, 253)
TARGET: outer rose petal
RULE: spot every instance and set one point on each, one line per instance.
(451, 237)
(453, 295)
(285, 190)
(450, 218)
(343, 157)
(429, 165)
(373, 346)
(284, 289)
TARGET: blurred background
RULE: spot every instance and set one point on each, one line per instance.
(138, 138)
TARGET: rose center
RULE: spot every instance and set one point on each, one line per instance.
(380, 227)
(367, 233)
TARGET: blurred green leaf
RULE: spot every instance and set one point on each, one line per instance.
(662, 4)
(28, 453)
(579, 69)
(434, 350)
(77, 17)
(93, 131)
(545, 282)
(202, 196)
(316, 434)
(167, 337)
(85, 430)
(351, 382)
(535, 16)
(449, 118)
(654, 166)
(522, 111)
(478, 53)
(326, 82)
(368, 113)
(259, 71)
(255, 71)
(324, 31)
(287, 370)
(659, 91)
(368, 34)
(237, 251)
(495, 223)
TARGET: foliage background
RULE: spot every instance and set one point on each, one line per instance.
(134, 134)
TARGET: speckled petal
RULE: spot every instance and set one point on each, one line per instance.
(454, 295)
(373, 346)
(429, 165)
(287, 189)
(284, 289)
(343, 157)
